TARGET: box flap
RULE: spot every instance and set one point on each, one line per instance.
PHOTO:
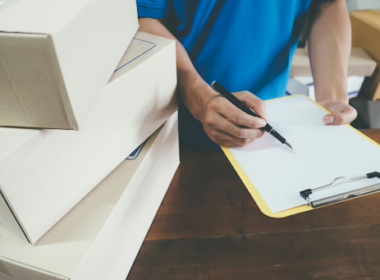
(33, 93)
(142, 48)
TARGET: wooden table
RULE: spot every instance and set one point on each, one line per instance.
(209, 227)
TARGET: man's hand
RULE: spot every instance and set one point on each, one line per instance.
(227, 125)
(341, 113)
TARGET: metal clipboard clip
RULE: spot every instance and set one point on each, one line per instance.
(344, 196)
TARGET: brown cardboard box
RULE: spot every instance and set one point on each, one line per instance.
(366, 34)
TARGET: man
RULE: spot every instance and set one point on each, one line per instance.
(247, 46)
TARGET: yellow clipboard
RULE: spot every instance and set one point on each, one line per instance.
(254, 192)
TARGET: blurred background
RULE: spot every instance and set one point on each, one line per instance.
(364, 65)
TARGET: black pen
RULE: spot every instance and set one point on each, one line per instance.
(230, 97)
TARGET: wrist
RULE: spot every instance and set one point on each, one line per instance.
(332, 95)
(194, 92)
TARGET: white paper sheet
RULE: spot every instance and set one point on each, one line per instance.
(321, 153)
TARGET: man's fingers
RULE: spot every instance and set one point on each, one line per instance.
(346, 115)
(218, 122)
(226, 140)
(240, 118)
(227, 125)
(234, 114)
(333, 119)
(252, 101)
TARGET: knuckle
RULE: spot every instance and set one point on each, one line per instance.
(241, 133)
(257, 123)
(257, 133)
(209, 120)
(215, 104)
(339, 119)
(239, 119)
(243, 94)
(212, 133)
(243, 142)
(260, 104)
(240, 144)
(246, 141)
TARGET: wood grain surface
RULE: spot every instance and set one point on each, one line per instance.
(209, 227)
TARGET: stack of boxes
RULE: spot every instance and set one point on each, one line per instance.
(79, 91)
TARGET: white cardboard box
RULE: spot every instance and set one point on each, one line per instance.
(101, 236)
(57, 56)
(44, 173)
(305, 86)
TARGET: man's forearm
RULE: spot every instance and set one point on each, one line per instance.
(188, 77)
(329, 50)
(224, 123)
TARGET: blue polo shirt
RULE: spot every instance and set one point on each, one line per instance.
(243, 44)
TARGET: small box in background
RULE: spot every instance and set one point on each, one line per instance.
(57, 56)
(366, 34)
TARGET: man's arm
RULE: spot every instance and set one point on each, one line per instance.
(329, 49)
(223, 122)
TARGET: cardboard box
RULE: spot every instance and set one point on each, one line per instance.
(366, 34)
(44, 173)
(101, 236)
(57, 56)
(360, 63)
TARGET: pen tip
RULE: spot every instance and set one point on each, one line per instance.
(290, 146)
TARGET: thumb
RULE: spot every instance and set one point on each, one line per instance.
(333, 119)
(339, 118)
(340, 114)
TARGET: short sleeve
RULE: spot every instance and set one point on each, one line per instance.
(152, 8)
